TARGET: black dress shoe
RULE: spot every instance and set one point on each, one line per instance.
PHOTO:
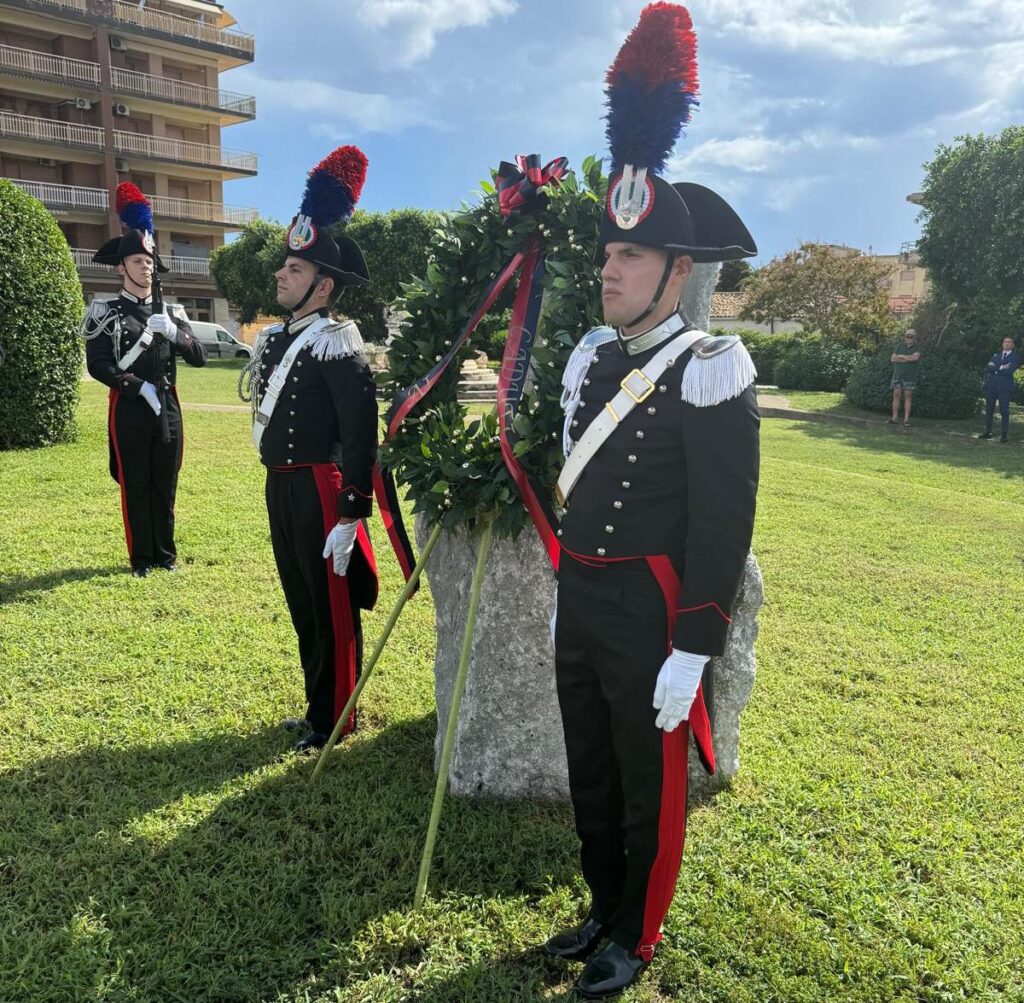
(294, 723)
(169, 566)
(579, 942)
(140, 572)
(313, 741)
(985, 435)
(611, 972)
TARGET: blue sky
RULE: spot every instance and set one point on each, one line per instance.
(815, 117)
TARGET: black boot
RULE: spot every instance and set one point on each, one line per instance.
(294, 723)
(313, 741)
(611, 972)
(985, 435)
(579, 942)
(140, 571)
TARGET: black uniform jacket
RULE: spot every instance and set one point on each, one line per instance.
(673, 478)
(113, 326)
(327, 411)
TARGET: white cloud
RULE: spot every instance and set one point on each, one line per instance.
(331, 110)
(874, 31)
(410, 27)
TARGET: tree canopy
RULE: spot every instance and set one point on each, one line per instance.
(825, 289)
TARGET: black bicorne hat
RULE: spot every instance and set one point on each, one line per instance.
(332, 190)
(684, 217)
(136, 216)
(651, 91)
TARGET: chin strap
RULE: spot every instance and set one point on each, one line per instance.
(665, 275)
(309, 292)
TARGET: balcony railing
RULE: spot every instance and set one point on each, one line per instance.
(50, 131)
(55, 196)
(202, 212)
(76, 198)
(175, 24)
(79, 5)
(161, 148)
(189, 268)
(29, 63)
(180, 91)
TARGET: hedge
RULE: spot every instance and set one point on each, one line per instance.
(944, 388)
(40, 312)
(811, 364)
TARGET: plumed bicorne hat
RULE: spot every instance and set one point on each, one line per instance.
(332, 191)
(651, 92)
(136, 216)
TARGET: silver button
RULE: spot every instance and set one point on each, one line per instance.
(662, 389)
(616, 504)
(639, 434)
(625, 484)
(290, 460)
(291, 414)
(299, 363)
(586, 382)
(609, 529)
(559, 533)
(583, 404)
(671, 363)
(291, 445)
(575, 422)
(652, 410)
(600, 551)
(291, 431)
(295, 379)
(293, 396)
(271, 338)
(631, 458)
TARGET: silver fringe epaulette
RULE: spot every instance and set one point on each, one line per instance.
(100, 318)
(721, 369)
(249, 379)
(575, 373)
(339, 340)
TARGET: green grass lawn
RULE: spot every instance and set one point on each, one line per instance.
(836, 403)
(159, 842)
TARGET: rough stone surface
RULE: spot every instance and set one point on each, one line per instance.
(509, 742)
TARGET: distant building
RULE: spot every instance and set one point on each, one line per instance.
(95, 92)
(725, 314)
(907, 280)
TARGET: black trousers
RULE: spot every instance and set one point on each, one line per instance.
(323, 608)
(627, 777)
(1002, 397)
(146, 468)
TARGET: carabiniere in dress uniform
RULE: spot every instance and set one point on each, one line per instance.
(132, 346)
(315, 426)
(657, 494)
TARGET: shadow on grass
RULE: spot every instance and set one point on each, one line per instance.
(22, 587)
(1004, 459)
(526, 977)
(211, 870)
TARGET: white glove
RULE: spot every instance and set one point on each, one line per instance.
(148, 393)
(340, 542)
(676, 687)
(161, 323)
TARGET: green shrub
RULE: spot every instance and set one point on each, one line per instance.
(944, 388)
(40, 311)
(766, 349)
(1018, 386)
(814, 365)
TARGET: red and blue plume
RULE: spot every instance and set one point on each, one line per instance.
(652, 88)
(133, 207)
(334, 186)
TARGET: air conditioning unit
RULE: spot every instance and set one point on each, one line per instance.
(118, 44)
(47, 162)
(122, 110)
(121, 166)
(83, 104)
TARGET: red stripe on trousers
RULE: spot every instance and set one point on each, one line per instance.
(328, 485)
(114, 397)
(661, 882)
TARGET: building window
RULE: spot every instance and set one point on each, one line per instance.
(197, 307)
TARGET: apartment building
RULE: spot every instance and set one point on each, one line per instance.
(96, 92)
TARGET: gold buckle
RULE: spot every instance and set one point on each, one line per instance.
(611, 411)
(638, 398)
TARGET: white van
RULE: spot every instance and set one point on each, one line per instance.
(219, 344)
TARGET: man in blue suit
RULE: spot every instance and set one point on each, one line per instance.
(999, 387)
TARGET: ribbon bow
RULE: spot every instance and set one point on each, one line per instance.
(519, 185)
